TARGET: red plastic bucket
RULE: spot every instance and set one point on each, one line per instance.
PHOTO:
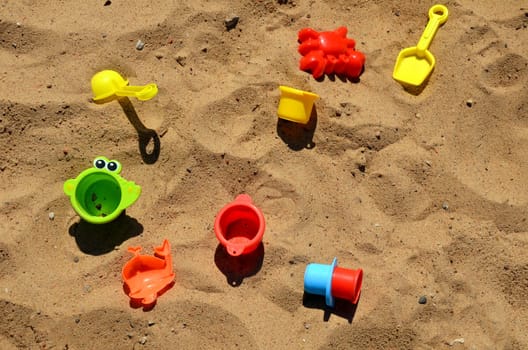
(239, 226)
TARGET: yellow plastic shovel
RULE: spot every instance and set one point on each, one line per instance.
(107, 83)
(414, 64)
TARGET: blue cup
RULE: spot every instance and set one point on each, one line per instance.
(318, 280)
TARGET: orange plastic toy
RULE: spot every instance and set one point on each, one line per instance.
(147, 276)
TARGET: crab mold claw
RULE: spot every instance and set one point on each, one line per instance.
(307, 33)
(313, 62)
(355, 64)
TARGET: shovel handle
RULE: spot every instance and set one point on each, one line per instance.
(145, 92)
(437, 16)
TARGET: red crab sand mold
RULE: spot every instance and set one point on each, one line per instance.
(146, 276)
(329, 52)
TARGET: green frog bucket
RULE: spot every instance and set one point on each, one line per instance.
(99, 194)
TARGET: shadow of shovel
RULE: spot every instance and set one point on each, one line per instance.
(149, 141)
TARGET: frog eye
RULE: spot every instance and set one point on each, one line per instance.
(113, 166)
(99, 163)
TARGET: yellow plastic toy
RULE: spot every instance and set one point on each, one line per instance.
(414, 64)
(108, 83)
(296, 105)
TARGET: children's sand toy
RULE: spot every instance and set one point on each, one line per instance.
(329, 52)
(147, 276)
(99, 194)
(296, 105)
(108, 83)
(332, 282)
(239, 226)
(414, 64)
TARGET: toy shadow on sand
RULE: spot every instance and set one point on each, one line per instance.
(343, 78)
(149, 141)
(342, 308)
(416, 90)
(236, 268)
(298, 136)
(99, 239)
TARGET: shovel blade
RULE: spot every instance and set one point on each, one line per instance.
(413, 68)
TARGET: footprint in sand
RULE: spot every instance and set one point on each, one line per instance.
(502, 68)
(368, 335)
(218, 125)
(185, 323)
(393, 182)
(486, 139)
(280, 277)
(496, 264)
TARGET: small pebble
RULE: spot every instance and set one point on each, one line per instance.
(445, 206)
(75, 259)
(140, 45)
(378, 134)
(49, 86)
(142, 340)
(151, 323)
(422, 300)
(306, 325)
(51, 215)
(470, 103)
(231, 23)
(456, 341)
(77, 320)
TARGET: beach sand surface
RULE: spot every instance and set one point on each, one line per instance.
(424, 190)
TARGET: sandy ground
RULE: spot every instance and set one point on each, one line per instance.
(424, 191)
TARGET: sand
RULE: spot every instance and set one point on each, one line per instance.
(423, 190)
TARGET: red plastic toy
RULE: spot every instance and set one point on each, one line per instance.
(333, 282)
(329, 52)
(146, 275)
(239, 226)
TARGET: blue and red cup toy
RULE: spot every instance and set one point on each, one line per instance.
(333, 282)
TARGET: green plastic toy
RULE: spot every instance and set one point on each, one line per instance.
(99, 194)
